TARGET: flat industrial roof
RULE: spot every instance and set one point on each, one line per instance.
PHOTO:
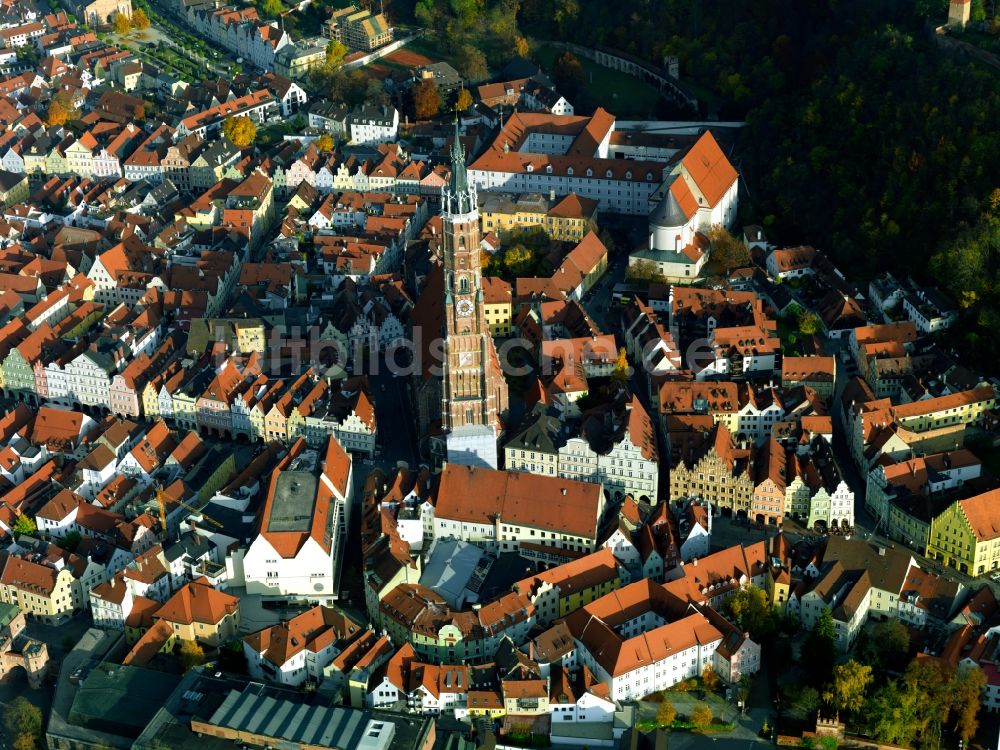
(294, 499)
(257, 712)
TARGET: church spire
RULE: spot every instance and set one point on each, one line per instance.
(461, 200)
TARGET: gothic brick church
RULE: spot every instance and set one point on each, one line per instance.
(461, 393)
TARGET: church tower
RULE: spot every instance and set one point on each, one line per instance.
(473, 391)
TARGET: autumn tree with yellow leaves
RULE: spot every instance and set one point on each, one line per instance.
(240, 130)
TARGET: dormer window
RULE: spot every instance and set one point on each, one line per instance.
(628, 175)
(590, 172)
(569, 171)
(608, 173)
(548, 169)
(531, 167)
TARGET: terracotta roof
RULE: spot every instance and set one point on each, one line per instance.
(112, 590)
(28, 576)
(198, 602)
(983, 514)
(149, 644)
(57, 426)
(941, 403)
(312, 631)
(709, 168)
(574, 576)
(147, 567)
(287, 543)
(817, 369)
(496, 291)
(480, 495)
(143, 611)
(61, 505)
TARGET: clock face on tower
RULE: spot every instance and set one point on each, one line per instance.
(463, 308)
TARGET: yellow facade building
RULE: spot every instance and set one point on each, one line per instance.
(567, 219)
(498, 305)
(197, 612)
(13, 188)
(966, 535)
(41, 591)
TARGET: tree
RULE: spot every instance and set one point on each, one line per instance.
(666, 713)
(710, 679)
(191, 654)
(335, 52)
(727, 251)
(804, 699)
(621, 369)
(821, 645)
(140, 20)
(916, 705)
(71, 541)
(884, 645)
(25, 525)
(121, 24)
(426, 13)
(809, 324)
(521, 47)
(23, 720)
(850, 683)
(467, 11)
(271, 8)
(464, 100)
(894, 714)
(240, 130)
(324, 144)
(375, 93)
(57, 114)
(750, 609)
(426, 100)
(643, 273)
(568, 73)
(518, 260)
(27, 54)
(701, 717)
(471, 63)
(565, 12)
(965, 689)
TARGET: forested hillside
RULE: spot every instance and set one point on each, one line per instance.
(866, 138)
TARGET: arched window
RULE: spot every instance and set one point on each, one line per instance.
(463, 285)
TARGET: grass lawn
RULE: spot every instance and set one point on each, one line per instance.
(620, 94)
